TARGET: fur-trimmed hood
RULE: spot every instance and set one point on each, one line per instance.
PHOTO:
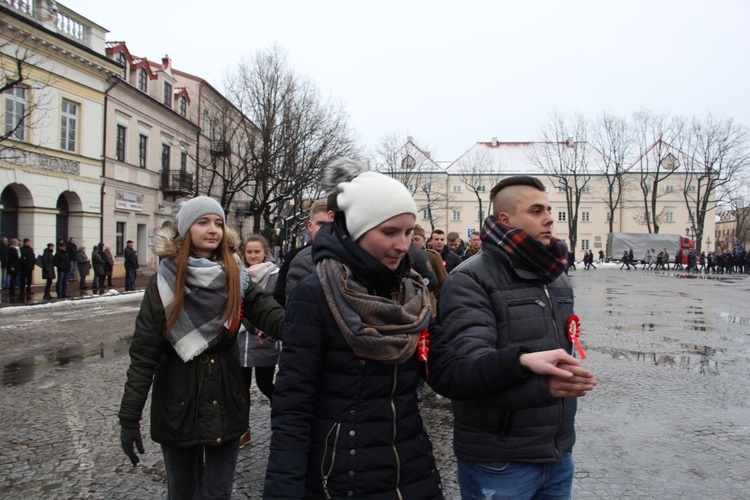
(168, 242)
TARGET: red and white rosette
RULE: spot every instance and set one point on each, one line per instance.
(423, 349)
(574, 334)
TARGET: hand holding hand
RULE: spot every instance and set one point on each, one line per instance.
(129, 437)
(546, 362)
(575, 385)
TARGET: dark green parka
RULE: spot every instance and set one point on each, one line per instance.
(199, 402)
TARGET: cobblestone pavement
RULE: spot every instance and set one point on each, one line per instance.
(670, 418)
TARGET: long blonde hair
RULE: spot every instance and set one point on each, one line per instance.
(225, 256)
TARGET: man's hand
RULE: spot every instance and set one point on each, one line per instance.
(574, 385)
(547, 362)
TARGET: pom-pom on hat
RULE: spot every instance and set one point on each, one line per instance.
(194, 209)
(367, 198)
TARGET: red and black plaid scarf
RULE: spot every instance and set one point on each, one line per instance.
(549, 262)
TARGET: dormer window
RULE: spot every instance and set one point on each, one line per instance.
(122, 61)
(183, 106)
(670, 162)
(168, 94)
(142, 80)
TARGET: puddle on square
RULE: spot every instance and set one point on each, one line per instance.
(33, 367)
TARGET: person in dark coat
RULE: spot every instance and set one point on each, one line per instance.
(99, 262)
(109, 266)
(28, 262)
(73, 255)
(14, 265)
(131, 265)
(185, 346)
(62, 264)
(48, 268)
(345, 418)
(84, 266)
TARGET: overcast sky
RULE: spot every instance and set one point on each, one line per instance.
(452, 73)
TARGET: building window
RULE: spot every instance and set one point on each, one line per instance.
(457, 188)
(15, 113)
(122, 61)
(482, 188)
(560, 188)
(166, 152)
(562, 216)
(410, 188)
(669, 189)
(585, 217)
(425, 214)
(427, 188)
(183, 162)
(691, 188)
(183, 106)
(119, 237)
(142, 150)
(408, 163)
(456, 215)
(143, 80)
(669, 216)
(120, 145)
(480, 215)
(584, 244)
(586, 189)
(168, 94)
(612, 189)
(68, 125)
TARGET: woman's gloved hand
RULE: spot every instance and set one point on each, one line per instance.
(129, 437)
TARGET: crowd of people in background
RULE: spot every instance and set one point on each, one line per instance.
(61, 263)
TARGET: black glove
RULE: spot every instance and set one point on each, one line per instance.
(128, 437)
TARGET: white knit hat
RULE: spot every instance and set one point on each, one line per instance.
(194, 209)
(370, 199)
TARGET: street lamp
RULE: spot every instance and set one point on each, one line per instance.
(241, 218)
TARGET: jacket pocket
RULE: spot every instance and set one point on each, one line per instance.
(525, 321)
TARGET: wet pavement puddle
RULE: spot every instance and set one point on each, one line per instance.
(34, 367)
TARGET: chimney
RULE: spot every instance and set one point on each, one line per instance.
(494, 142)
(410, 139)
(166, 62)
(571, 142)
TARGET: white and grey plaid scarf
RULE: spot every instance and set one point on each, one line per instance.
(199, 326)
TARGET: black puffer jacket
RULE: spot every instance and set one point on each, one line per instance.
(199, 402)
(487, 303)
(352, 419)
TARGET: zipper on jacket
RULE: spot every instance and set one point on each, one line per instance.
(561, 413)
(393, 439)
(326, 474)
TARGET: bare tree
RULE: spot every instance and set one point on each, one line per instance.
(613, 138)
(564, 157)
(657, 161)
(715, 154)
(473, 170)
(297, 134)
(414, 167)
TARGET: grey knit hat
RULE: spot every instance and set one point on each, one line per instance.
(194, 209)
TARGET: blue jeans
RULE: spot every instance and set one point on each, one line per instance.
(200, 471)
(61, 286)
(516, 480)
(6, 281)
(72, 273)
(129, 279)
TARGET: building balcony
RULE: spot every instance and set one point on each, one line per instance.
(176, 182)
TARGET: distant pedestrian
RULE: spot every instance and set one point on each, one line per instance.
(48, 269)
(28, 262)
(84, 266)
(110, 265)
(62, 264)
(4, 260)
(72, 250)
(98, 260)
(647, 260)
(131, 265)
(14, 266)
(625, 260)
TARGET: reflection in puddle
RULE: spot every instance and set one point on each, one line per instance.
(645, 327)
(33, 367)
(731, 318)
(704, 365)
